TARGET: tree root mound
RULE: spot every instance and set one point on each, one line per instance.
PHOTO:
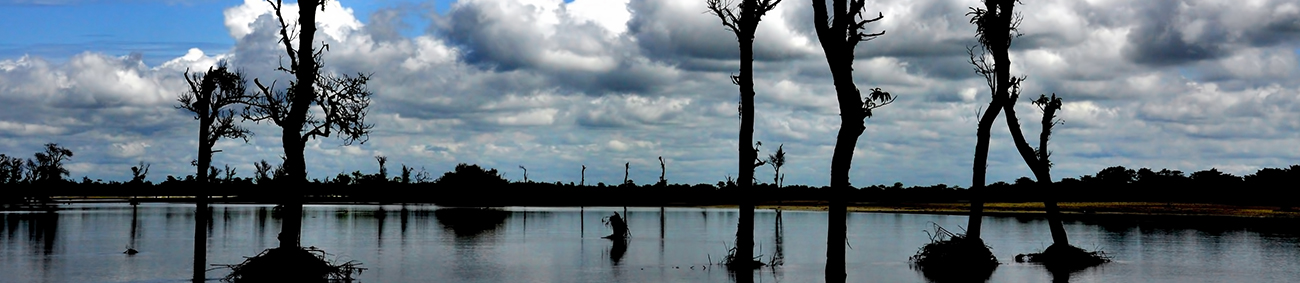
(954, 257)
(291, 265)
(1065, 258)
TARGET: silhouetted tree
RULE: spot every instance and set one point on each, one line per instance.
(742, 20)
(341, 102)
(138, 173)
(777, 160)
(406, 174)
(1037, 159)
(466, 175)
(583, 180)
(210, 96)
(663, 170)
(11, 169)
(525, 173)
(47, 167)
(840, 29)
(266, 174)
(996, 25)
(383, 169)
(1116, 176)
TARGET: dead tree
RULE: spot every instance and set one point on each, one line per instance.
(1037, 159)
(212, 97)
(314, 105)
(995, 27)
(839, 30)
(742, 20)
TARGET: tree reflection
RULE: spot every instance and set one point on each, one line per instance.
(470, 222)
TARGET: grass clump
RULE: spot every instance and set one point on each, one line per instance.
(954, 256)
(292, 265)
(1065, 258)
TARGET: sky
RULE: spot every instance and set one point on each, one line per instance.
(554, 85)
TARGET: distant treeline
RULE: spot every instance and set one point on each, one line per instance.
(471, 185)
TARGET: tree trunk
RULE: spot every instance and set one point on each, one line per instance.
(1039, 167)
(205, 141)
(980, 168)
(745, 229)
(851, 128)
(201, 216)
(294, 144)
(291, 211)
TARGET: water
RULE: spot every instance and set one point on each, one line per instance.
(85, 243)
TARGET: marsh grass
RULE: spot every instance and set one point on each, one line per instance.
(953, 255)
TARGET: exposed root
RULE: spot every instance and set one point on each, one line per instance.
(291, 265)
(1065, 258)
(732, 263)
(954, 256)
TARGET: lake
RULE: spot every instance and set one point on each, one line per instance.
(425, 243)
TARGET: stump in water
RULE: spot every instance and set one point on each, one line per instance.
(951, 256)
(291, 265)
(1059, 257)
(618, 225)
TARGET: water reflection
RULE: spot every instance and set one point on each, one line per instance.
(617, 249)
(84, 244)
(468, 223)
(135, 220)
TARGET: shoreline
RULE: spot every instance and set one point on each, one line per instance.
(1069, 210)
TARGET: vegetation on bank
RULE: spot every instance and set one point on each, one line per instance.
(467, 184)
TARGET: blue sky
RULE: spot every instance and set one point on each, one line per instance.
(158, 29)
(553, 85)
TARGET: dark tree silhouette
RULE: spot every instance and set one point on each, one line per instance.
(663, 170)
(742, 20)
(341, 102)
(777, 160)
(139, 173)
(47, 167)
(995, 27)
(210, 96)
(383, 168)
(525, 173)
(583, 180)
(1037, 159)
(839, 30)
(11, 169)
(465, 175)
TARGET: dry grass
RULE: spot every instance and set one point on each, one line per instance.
(1033, 208)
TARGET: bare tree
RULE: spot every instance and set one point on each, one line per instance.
(839, 30)
(742, 20)
(525, 173)
(314, 105)
(1037, 159)
(663, 171)
(210, 98)
(996, 25)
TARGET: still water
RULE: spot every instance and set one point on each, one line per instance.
(416, 243)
